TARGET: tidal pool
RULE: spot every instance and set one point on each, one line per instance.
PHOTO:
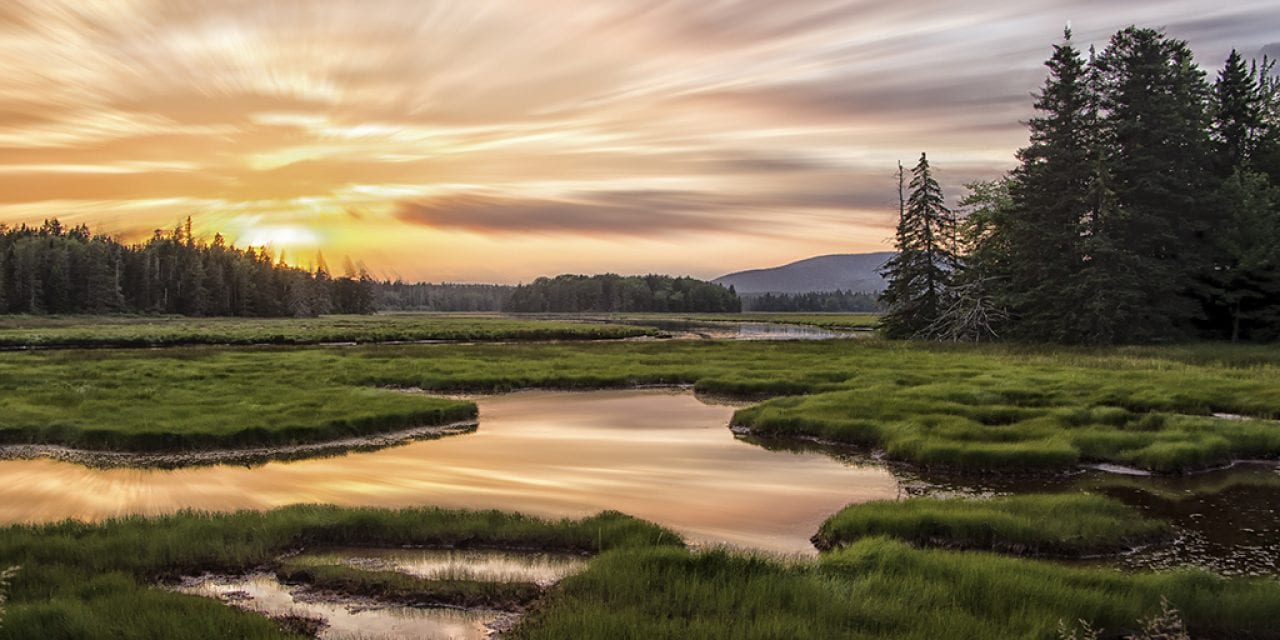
(346, 619)
(660, 455)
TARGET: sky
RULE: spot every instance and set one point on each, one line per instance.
(500, 140)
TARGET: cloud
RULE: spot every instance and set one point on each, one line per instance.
(731, 122)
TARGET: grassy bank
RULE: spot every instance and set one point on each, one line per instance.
(95, 581)
(167, 331)
(973, 408)
(188, 400)
(1035, 524)
(884, 589)
(399, 588)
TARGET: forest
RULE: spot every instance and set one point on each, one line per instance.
(816, 301)
(611, 292)
(55, 270)
(1146, 208)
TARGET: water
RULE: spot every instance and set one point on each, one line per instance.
(659, 455)
(735, 330)
(347, 619)
(543, 569)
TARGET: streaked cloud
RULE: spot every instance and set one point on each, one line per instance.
(502, 139)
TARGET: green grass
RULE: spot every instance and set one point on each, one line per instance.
(1033, 524)
(974, 408)
(400, 588)
(164, 331)
(884, 589)
(96, 581)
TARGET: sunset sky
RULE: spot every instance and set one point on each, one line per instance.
(498, 140)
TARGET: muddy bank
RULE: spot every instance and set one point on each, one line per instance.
(247, 457)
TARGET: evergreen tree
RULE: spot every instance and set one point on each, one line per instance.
(1237, 115)
(1041, 231)
(1155, 128)
(921, 272)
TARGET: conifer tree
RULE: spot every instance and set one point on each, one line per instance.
(1237, 115)
(1155, 128)
(1043, 226)
(920, 274)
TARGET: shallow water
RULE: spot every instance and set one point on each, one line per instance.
(659, 455)
(345, 620)
(735, 330)
(449, 564)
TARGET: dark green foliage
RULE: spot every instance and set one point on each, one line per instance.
(1049, 210)
(610, 292)
(54, 270)
(423, 296)
(1155, 130)
(1141, 208)
(922, 270)
(820, 302)
(1056, 525)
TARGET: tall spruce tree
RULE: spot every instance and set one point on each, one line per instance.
(920, 274)
(1043, 227)
(1155, 127)
(1237, 115)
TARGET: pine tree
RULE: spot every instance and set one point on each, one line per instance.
(1237, 115)
(921, 272)
(1154, 126)
(1041, 230)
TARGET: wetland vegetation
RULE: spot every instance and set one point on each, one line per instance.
(981, 408)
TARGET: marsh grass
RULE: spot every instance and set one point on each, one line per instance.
(973, 408)
(1033, 524)
(885, 589)
(96, 580)
(400, 588)
(166, 331)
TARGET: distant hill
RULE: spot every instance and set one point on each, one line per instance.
(843, 271)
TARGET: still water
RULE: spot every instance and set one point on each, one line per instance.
(659, 455)
(346, 620)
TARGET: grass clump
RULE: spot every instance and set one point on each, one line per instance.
(884, 589)
(399, 588)
(1033, 524)
(96, 580)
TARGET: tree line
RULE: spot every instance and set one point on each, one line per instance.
(818, 301)
(1145, 208)
(53, 269)
(424, 296)
(613, 293)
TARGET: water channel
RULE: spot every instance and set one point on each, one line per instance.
(661, 455)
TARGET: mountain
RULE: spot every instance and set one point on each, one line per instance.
(842, 271)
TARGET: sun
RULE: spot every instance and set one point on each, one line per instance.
(279, 237)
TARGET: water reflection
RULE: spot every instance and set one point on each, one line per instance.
(736, 330)
(659, 455)
(343, 620)
(453, 564)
